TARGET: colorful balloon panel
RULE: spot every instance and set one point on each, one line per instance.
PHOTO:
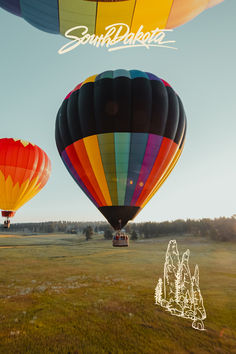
(57, 16)
(119, 134)
(24, 171)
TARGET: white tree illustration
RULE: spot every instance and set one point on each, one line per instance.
(159, 292)
(179, 292)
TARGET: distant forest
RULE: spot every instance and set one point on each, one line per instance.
(220, 229)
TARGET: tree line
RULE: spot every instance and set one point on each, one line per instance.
(220, 229)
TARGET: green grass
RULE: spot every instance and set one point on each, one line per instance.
(61, 294)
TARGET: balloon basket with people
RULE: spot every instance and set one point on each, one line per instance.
(7, 214)
(120, 239)
(7, 224)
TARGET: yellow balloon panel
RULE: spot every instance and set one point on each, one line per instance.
(13, 196)
(115, 12)
(93, 151)
(151, 14)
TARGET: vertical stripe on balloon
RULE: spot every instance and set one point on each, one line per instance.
(152, 150)
(151, 14)
(2, 190)
(76, 177)
(134, 74)
(12, 6)
(79, 159)
(107, 151)
(33, 160)
(168, 170)
(158, 169)
(109, 13)
(92, 78)
(34, 182)
(93, 151)
(32, 189)
(122, 149)
(42, 14)
(74, 13)
(137, 151)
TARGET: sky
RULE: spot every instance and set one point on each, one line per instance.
(34, 79)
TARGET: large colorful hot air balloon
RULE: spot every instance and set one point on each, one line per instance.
(24, 171)
(120, 134)
(57, 16)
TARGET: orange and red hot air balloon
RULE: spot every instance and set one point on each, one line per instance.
(24, 171)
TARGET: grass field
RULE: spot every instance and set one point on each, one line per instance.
(61, 294)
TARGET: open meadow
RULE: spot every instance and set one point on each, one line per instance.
(62, 294)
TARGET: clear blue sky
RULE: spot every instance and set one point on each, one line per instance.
(34, 80)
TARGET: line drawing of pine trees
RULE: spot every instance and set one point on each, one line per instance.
(179, 292)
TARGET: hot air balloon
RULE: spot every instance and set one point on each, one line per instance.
(24, 171)
(119, 134)
(57, 16)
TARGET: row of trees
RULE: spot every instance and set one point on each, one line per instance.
(72, 227)
(221, 229)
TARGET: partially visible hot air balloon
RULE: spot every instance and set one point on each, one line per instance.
(24, 171)
(57, 16)
(120, 134)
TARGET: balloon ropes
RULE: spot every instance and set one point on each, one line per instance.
(24, 171)
(120, 134)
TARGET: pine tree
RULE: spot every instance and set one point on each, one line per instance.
(88, 232)
(134, 235)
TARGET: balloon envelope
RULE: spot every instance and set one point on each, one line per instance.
(24, 171)
(120, 134)
(57, 16)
